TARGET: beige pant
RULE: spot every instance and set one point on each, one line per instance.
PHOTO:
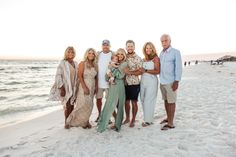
(168, 93)
(100, 93)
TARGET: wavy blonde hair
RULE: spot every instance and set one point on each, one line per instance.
(154, 51)
(123, 52)
(67, 52)
(86, 57)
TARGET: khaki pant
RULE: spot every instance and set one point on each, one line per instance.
(168, 93)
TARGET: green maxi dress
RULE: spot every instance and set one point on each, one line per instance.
(115, 98)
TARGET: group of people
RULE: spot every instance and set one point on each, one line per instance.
(115, 76)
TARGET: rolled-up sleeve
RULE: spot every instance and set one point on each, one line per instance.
(178, 66)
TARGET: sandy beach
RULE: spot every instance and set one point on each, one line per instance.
(205, 126)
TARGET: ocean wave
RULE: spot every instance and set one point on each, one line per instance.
(14, 110)
(8, 89)
(38, 68)
(29, 96)
(3, 97)
(23, 85)
(13, 83)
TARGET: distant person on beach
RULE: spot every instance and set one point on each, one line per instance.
(116, 96)
(104, 57)
(149, 82)
(132, 81)
(196, 62)
(66, 82)
(185, 63)
(189, 63)
(170, 75)
(84, 103)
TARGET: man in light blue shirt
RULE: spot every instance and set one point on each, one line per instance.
(170, 75)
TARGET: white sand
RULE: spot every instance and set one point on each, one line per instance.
(205, 126)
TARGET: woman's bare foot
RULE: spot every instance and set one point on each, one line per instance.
(97, 119)
(89, 126)
(145, 124)
(132, 123)
(126, 121)
(113, 127)
(67, 126)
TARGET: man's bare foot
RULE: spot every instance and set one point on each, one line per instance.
(132, 124)
(126, 121)
(164, 121)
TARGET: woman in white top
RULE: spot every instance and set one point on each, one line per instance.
(149, 82)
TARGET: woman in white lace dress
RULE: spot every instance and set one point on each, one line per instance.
(66, 81)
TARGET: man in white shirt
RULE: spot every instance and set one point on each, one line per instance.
(104, 57)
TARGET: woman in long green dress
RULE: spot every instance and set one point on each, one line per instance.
(116, 96)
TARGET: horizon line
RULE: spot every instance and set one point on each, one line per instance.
(56, 58)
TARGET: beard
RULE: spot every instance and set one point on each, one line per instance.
(130, 53)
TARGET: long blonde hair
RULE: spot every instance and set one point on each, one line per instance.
(154, 51)
(86, 57)
(67, 52)
(121, 51)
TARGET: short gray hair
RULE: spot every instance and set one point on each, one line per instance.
(166, 36)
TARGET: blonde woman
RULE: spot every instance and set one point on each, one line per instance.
(149, 82)
(84, 104)
(66, 81)
(116, 96)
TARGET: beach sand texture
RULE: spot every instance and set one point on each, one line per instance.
(205, 126)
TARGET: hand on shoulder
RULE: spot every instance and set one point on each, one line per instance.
(156, 59)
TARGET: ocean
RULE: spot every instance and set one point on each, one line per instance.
(24, 89)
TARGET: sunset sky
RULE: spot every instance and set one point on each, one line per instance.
(44, 28)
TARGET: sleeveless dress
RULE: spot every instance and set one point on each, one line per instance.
(148, 92)
(84, 103)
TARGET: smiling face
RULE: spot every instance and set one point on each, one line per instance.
(91, 55)
(130, 48)
(106, 48)
(70, 54)
(165, 41)
(148, 49)
(121, 57)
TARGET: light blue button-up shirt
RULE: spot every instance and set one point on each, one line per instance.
(171, 66)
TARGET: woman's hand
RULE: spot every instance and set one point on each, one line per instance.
(115, 65)
(126, 71)
(155, 60)
(109, 74)
(142, 70)
(63, 91)
(86, 91)
(110, 66)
